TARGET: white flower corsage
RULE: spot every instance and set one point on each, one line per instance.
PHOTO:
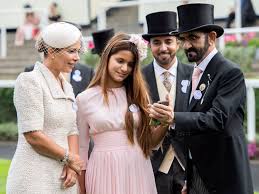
(141, 45)
(133, 108)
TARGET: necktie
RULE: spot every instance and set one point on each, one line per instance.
(166, 81)
(195, 78)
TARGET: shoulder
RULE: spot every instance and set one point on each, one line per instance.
(148, 66)
(28, 79)
(226, 66)
(88, 94)
(148, 69)
(29, 68)
(188, 67)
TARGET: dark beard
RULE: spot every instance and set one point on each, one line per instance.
(200, 52)
(165, 62)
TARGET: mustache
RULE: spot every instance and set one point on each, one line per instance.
(188, 52)
(164, 52)
(191, 50)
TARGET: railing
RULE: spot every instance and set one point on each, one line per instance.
(17, 13)
(235, 31)
(251, 84)
(101, 14)
(3, 40)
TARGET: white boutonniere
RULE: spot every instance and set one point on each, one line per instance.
(133, 108)
(197, 95)
(77, 76)
(185, 84)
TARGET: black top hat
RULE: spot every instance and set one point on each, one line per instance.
(100, 39)
(197, 17)
(160, 24)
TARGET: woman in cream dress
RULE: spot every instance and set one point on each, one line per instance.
(48, 136)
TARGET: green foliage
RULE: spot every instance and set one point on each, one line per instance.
(4, 167)
(181, 56)
(233, 44)
(243, 56)
(254, 42)
(8, 131)
(91, 59)
(7, 109)
(148, 59)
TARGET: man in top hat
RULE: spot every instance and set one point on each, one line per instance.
(166, 75)
(100, 39)
(212, 123)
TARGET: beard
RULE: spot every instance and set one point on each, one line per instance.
(196, 54)
(164, 60)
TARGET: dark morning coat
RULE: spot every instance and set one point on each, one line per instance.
(183, 73)
(213, 129)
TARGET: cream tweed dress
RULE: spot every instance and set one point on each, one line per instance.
(41, 104)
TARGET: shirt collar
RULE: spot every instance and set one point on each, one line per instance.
(160, 70)
(53, 85)
(202, 66)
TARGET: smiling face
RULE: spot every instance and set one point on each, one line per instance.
(164, 49)
(120, 66)
(65, 59)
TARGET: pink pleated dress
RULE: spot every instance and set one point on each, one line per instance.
(115, 165)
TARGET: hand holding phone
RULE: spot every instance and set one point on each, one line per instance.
(155, 122)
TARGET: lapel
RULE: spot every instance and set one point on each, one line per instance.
(206, 79)
(182, 88)
(151, 81)
(55, 89)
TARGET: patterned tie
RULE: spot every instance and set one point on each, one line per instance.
(195, 78)
(166, 81)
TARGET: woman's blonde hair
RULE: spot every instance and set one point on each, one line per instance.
(135, 89)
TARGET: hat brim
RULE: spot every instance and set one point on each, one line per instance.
(149, 36)
(208, 28)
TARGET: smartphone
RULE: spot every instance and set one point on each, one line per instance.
(166, 103)
(154, 122)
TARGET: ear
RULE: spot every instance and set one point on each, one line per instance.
(149, 44)
(212, 37)
(51, 53)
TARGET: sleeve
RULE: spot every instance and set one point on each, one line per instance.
(83, 128)
(28, 101)
(74, 130)
(230, 97)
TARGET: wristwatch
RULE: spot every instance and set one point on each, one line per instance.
(65, 160)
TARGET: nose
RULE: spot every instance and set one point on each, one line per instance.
(124, 67)
(163, 47)
(186, 44)
(76, 56)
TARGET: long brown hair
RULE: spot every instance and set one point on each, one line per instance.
(135, 89)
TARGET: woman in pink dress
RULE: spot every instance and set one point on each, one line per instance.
(113, 111)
